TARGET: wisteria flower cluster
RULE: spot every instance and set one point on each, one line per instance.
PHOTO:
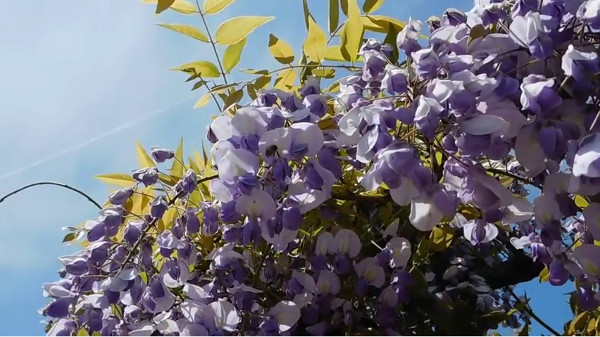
(416, 196)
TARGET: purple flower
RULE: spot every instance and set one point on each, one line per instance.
(368, 270)
(188, 183)
(580, 64)
(158, 207)
(408, 36)
(395, 80)
(587, 158)
(538, 94)
(148, 176)
(121, 196)
(160, 154)
(589, 12)
(210, 217)
(479, 231)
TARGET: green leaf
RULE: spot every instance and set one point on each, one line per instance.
(352, 33)
(177, 167)
(255, 71)
(262, 82)
(324, 72)
(198, 84)
(215, 6)
(163, 5)
(222, 88)
(82, 332)
(380, 23)
(232, 55)
(117, 179)
(190, 31)
(233, 98)
(306, 14)
(236, 29)
(344, 4)
(201, 68)
(181, 6)
(372, 5)
(203, 100)
(285, 79)
(544, 275)
(144, 160)
(581, 202)
(315, 44)
(334, 15)
(280, 50)
(334, 53)
(441, 238)
(69, 237)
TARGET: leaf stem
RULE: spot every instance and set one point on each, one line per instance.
(212, 43)
(53, 184)
(530, 312)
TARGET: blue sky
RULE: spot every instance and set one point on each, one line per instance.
(81, 82)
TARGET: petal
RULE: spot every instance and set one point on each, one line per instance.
(347, 242)
(286, 313)
(225, 315)
(401, 252)
(221, 127)
(519, 210)
(310, 134)
(325, 244)
(405, 193)
(423, 214)
(328, 282)
(484, 125)
(305, 280)
(258, 204)
(277, 140)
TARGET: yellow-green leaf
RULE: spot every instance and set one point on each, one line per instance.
(334, 53)
(280, 50)
(381, 23)
(181, 6)
(285, 79)
(82, 332)
(315, 44)
(144, 160)
(441, 238)
(262, 82)
(233, 98)
(215, 6)
(334, 15)
(116, 179)
(202, 101)
(344, 4)
(581, 202)
(163, 5)
(372, 5)
(578, 323)
(334, 87)
(177, 166)
(201, 68)
(236, 29)
(232, 55)
(544, 275)
(306, 13)
(476, 32)
(255, 71)
(324, 72)
(352, 33)
(187, 30)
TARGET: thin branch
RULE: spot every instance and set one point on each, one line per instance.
(155, 220)
(530, 312)
(53, 184)
(514, 176)
(212, 42)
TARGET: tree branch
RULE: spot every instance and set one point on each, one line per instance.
(53, 184)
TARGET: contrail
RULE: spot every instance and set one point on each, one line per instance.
(90, 141)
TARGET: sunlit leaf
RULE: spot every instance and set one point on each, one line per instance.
(262, 81)
(581, 202)
(334, 53)
(324, 72)
(306, 14)
(352, 33)
(218, 89)
(233, 98)
(285, 79)
(198, 84)
(544, 275)
(181, 6)
(334, 15)
(441, 238)
(232, 55)
(203, 100)
(215, 6)
(190, 31)
(177, 166)
(315, 44)
(372, 5)
(334, 87)
(82, 332)
(344, 5)
(163, 5)
(116, 179)
(255, 71)
(280, 50)
(578, 323)
(327, 124)
(201, 68)
(236, 29)
(69, 237)
(144, 160)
